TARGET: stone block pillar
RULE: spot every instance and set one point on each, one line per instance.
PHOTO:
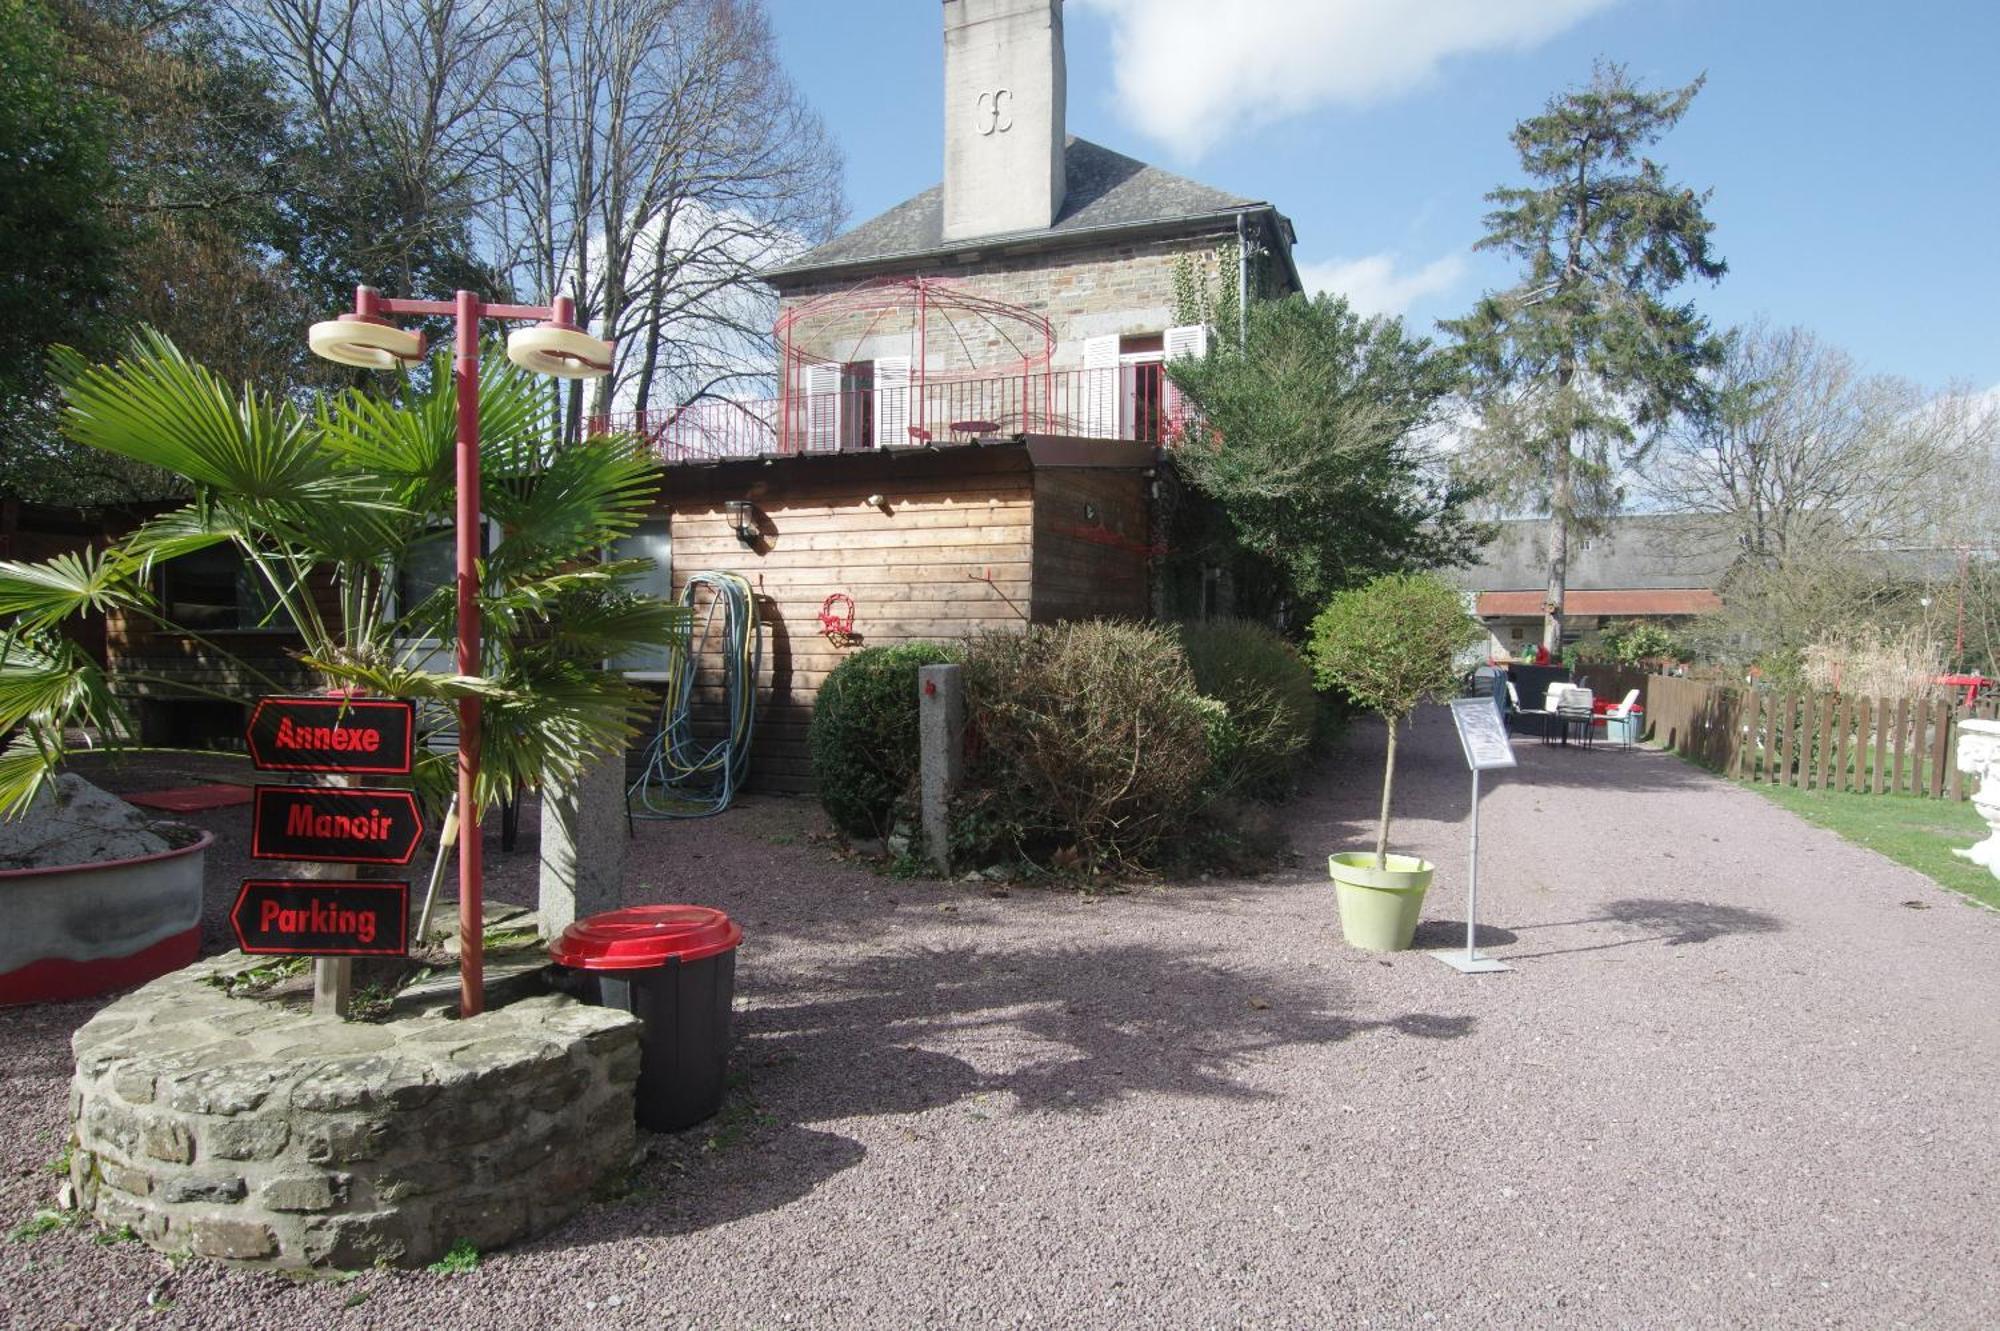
(941, 748)
(583, 847)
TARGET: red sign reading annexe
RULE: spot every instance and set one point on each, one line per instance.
(341, 825)
(372, 736)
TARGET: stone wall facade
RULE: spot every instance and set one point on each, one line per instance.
(1122, 288)
(252, 1131)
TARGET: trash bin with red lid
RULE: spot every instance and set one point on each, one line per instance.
(674, 968)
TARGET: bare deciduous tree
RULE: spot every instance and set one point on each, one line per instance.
(646, 157)
(663, 159)
(1847, 496)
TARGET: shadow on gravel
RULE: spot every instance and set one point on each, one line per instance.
(1451, 933)
(1081, 1028)
(682, 1191)
(1673, 923)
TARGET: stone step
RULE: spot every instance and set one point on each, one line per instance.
(508, 977)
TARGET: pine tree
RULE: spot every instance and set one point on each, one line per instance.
(1576, 367)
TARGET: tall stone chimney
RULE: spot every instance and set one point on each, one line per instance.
(1004, 86)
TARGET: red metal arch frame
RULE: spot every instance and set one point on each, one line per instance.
(918, 302)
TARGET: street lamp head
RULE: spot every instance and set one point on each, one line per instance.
(559, 350)
(365, 343)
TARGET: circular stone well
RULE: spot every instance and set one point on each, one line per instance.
(252, 1131)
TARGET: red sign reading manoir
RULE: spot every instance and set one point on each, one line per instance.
(289, 917)
(339, 825)
(371, 736)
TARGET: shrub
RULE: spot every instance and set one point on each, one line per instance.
(1631, 641)
(1388, 646)
(1272, 711)
(863, 736)
(1092, 742)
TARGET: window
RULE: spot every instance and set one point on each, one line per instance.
(1142, 373)
(1125, 393)
(857, 396)
(654, 541)
(217, 590)
(431, 564)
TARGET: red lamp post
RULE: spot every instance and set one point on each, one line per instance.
(554, 346)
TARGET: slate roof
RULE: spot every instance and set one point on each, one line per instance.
(1104, 190)
(1637, 551)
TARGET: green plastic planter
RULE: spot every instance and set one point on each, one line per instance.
(1379, 908)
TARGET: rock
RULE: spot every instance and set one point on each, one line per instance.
(197, 1188)
(168, 1140)
(235, 1240)
(304, 1192)
(234, 1088)
(71, 821)
(350, 1242)
(134, 1181)
(247, 1138)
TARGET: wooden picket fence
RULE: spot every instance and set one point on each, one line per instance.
(1869, 746)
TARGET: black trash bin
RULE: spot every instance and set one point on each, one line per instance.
(674, 968)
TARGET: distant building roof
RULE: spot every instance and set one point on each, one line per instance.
(1637, 601)
(1103, 191)
(1641, 551)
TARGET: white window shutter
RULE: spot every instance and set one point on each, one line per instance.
(1188, 340)
(822, 385)
(1099, 416)
(892, 402)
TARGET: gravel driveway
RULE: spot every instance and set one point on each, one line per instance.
(1743, 1074)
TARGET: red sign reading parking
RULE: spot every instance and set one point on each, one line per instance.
(289, 917)
(372, 736)
(334, 824)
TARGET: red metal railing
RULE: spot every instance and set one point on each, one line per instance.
(1123, 402)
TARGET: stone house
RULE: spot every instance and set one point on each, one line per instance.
(970, 401)
(1661, 567)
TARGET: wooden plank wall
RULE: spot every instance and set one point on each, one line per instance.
(1871, 746)
(947, 554)
(1092, 542)
(1612, 681)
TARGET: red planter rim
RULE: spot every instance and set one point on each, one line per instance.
(206, 840)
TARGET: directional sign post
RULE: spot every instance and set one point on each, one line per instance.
(358, 736)
(338, 825)
(334, 827)
(1487, 748)
(295, 917)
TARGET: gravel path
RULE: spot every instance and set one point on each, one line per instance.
(1744, 1074)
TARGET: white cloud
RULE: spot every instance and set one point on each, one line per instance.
(1192, 72)
(1373, 285)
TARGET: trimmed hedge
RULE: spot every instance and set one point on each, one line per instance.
(1092, 743)
(1272, 710)
(863, 736)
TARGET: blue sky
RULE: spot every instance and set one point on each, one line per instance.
(1853, 146)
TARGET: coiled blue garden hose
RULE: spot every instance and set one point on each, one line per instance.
(682, 778)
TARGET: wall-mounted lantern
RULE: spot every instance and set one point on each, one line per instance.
(742, 515)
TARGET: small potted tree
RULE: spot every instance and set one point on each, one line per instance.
(1388, 646)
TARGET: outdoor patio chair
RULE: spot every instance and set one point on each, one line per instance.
(1622, 712)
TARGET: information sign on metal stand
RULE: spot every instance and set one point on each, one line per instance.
(1487, 748)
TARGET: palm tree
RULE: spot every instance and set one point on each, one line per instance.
(325, 501)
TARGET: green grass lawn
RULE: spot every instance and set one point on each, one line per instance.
(1918, 832)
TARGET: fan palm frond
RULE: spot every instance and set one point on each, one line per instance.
(42, 595)
(585, 497)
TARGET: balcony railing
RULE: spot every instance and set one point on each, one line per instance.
(1118, 402)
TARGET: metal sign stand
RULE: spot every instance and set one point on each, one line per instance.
(1484, 740)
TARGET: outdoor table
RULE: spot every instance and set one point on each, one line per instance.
(1556, 727)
